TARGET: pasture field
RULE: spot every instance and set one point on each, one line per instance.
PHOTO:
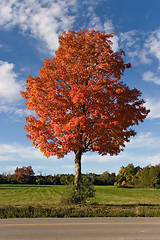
(45, 195)
(127, 196)
(32, 201)
(20, 195)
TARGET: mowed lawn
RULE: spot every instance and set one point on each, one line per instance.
(127, 196)
(18, 195)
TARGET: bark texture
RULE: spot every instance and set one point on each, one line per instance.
(78, 156)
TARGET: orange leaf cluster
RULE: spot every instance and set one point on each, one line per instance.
(23, 172)
(79, 100)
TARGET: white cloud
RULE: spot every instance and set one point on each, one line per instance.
(153, 159)
(151, 48)
(44, 19)
(144, 141)
(143, 56)
(115, 41)
(96, 23)
(139, 46)
(151, 77)
(137, 159)
(129, 38)
(152, 44)
(20, 112)
(150, 53)
(17, 152)
(154, 106)
(108, 26)
(94, 20)
(136, 152)
(68, 166)
(130, 43)
(9, 87)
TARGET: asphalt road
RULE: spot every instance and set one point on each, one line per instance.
(80, 228)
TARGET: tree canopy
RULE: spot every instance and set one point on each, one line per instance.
(23, 172)
(79, 100)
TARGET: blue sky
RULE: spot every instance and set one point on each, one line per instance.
(29, 32)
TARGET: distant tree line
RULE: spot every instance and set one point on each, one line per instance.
(128, 177)
(26, 175)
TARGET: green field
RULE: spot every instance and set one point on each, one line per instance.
(21, 201)
(18, 195)
(130, 196)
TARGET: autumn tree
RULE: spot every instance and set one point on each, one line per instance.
(79, 100)
(127, 176)
(24, 173)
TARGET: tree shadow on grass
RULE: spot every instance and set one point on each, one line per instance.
(126, 205)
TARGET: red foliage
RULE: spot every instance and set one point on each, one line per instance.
(79, 100)
(24, 172)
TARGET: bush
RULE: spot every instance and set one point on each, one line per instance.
(81, 195)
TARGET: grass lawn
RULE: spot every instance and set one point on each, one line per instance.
(30, 201)
(126, 196)
(20, 195)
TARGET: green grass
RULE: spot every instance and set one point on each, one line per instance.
(17, 195)
(123, 196)
(46, 201)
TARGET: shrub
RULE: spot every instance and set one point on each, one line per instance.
(81, 195)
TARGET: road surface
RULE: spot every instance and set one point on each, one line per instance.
(80, 229)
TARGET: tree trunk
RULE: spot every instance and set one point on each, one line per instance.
(77, 180)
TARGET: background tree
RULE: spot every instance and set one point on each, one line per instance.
(130, 174)
(145, 181)
(137, 178)
(23, 174)
(127, 176)
(156, 178)
(79, 101)
(106, 178)
(150, 176)
(120, 177)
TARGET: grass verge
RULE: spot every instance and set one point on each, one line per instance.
(90, 210)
